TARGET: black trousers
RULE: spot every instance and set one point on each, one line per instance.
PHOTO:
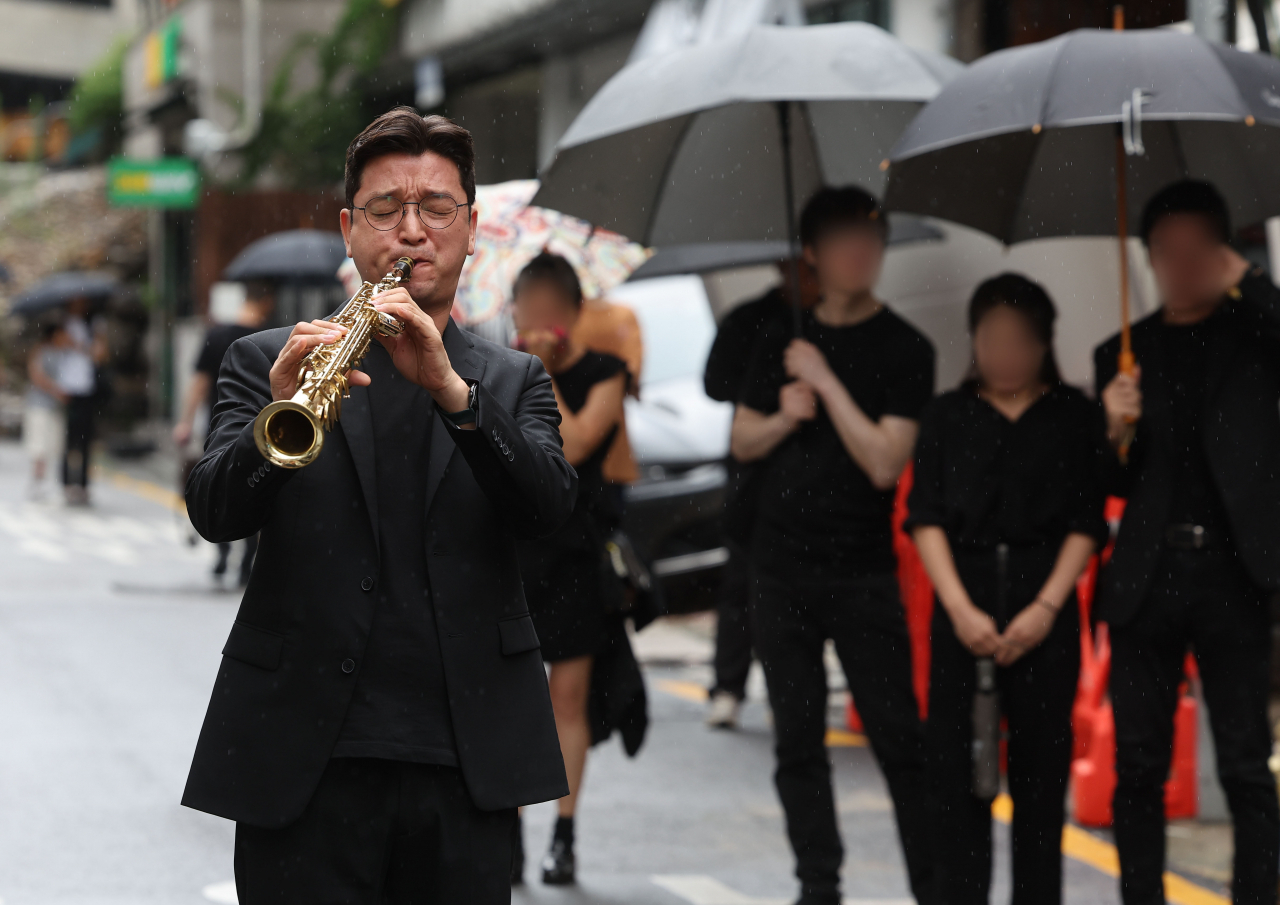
(1036, 694)
(733, 625)
(866, 621)
(380, 832)
(246, 559)
(75, 459)
(1202, 600)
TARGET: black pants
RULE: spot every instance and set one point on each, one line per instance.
(75, 459)
(380, 832)
(1201, 599)
(733, 626)
(866, 621)
(1036, 694)
(246, 558)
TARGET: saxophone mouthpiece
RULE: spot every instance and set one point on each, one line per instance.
(404, 267)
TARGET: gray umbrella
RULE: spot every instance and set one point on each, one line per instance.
(1022, 145)
(295, 255)
(61, 288)
(692, 146)
(1065, 137)
(705, 257)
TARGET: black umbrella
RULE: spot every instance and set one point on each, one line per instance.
(295, 255)
(710, 256)
(1063, 137)
(61, 288)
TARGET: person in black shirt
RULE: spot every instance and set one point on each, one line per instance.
(726, 369)
(832, 416)
(1197, 434)
(1006, 509)
(259, 302)
(562, 573)
(381, 707)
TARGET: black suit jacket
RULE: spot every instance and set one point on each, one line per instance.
(1240, 427)
(290, 663)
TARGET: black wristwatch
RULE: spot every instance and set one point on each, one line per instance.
(468, 414)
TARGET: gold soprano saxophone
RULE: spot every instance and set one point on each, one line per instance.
(290, 432)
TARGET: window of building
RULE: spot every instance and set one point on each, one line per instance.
(873, 11)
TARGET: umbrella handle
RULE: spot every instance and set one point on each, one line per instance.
(1127, 364)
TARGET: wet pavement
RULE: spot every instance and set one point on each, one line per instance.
(110, 632)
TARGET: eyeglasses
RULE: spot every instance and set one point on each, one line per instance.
(435, 211)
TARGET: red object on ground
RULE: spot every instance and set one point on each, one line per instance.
(1181, 791)
(917, 599)
(1093, 777)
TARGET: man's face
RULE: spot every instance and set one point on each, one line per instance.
(1186, 256)
(438, 254)
(848, 259)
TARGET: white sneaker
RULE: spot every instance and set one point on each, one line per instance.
(723, 713)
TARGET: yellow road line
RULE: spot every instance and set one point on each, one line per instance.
(1102, 856)
(687, 691)
(692, 691)
(148, 490)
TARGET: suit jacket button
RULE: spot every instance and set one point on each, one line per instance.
(367, 584)
(348, 665)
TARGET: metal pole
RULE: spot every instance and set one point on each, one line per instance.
(789, 195)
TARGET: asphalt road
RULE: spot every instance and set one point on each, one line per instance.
(109, 641)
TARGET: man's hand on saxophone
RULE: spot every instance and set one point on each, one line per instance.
(419, 353)
(305, 337)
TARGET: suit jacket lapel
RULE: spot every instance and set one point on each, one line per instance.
(469, 365)
(356, 422)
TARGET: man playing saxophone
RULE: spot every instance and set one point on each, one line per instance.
(381, 708)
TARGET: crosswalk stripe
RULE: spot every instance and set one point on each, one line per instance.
(223, 893)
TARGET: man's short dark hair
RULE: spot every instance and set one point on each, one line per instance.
(1190, 196)
(404, 131)
(553, 269)
(260, 291)
(831, 209)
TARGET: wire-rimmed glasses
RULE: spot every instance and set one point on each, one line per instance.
(435, 211)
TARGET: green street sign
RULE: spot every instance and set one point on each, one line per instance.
(168, 182)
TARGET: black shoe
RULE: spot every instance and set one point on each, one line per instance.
(558, 864)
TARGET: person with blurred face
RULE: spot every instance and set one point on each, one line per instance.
(831, 416)
(78, 378)
(1196, 433)
(561, 573)
(203, 391)
(726, 368)
(1005, 510)
(381, 709)
(44, 423)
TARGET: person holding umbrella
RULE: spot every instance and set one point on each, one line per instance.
(1006, 509)
(832, 416)
(1196, 430)
(723, 377)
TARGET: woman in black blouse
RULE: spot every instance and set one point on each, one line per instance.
(1006, 510)
(562, 579)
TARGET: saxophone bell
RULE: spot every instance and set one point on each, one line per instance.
(288, 434)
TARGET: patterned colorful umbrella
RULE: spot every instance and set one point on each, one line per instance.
(511, 233)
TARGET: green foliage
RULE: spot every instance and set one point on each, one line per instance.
(96, 109)
(304, 133)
